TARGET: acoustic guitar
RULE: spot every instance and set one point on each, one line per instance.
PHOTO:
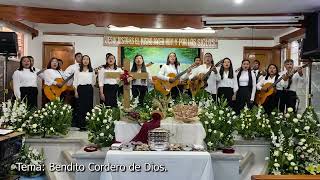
(53, 92)
(262, 96)
(201, 80)
(164, 87)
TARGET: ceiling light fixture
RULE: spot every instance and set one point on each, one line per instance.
(238, 1)
(186, 30)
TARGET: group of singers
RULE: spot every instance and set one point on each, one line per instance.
(238, 87)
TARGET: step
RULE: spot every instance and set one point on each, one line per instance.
(256, 169)
(246, 162)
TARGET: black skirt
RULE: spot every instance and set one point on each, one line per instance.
(30, 95)
(110, 93)
(85, 105)
(243, 98)
(140, 91)
(226, 93)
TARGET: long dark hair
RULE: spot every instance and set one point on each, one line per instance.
(49, 63)
(277, 73)
(108, 55)
(176, 63)
(135, 69)
(21, 66)
(134, 66)
(89, 65)
(249, 73)
(230, 76)
(210, 56)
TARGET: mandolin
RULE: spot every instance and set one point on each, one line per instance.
(262, 96)
(201, 80)
(164, 87)
(53, 92)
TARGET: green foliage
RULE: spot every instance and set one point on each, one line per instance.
(101, 125)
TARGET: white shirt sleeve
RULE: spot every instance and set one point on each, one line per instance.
(162, 73)
(75, 79)
(254, 86)
(48, 78)
(260, 83)
(101, 77)
(194, 73)
(16, 84)
(235, 83)
(71, 69)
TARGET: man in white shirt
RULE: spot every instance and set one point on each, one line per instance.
(70, 98)
(256, 70)
(211, 79)
(288, 95)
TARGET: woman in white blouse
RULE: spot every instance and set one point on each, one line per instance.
(109, 86)
(172, 66)
(228, 85)
(272, 75)
(139, 86)
(52, 73)
(25, 83)
(83, 83)
(246, 80)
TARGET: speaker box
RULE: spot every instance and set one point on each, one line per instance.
(8, 43)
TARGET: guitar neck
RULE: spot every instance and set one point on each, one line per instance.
(65, 81)
(41, 71)
(181, 74)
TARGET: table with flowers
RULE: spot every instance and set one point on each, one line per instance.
(183, 133)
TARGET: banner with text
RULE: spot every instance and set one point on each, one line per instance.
(177, 42)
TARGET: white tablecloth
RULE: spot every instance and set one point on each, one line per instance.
(183, 133)
(179, 165)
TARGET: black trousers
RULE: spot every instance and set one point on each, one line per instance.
(272, 102)
(85, 93)
(226, 93)
(30, 95)
(140, 91)
(110, 93)
(243, 98)
(287, 99)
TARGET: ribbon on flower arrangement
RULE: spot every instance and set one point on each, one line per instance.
(124, 77)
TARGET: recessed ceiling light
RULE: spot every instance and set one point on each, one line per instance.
(238, 1)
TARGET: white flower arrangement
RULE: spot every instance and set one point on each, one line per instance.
(101, 125)
(47, 122)
(219, 124)
(14, 115)
(29, 157)
(295, 143)
(253, 123)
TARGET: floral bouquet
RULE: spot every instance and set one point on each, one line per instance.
(295, 147)
(219, 123)
(53, 119)
(253, 123)
(14, 114)
(29, 157)
(101, 125)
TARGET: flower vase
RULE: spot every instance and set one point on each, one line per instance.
(35, 177)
